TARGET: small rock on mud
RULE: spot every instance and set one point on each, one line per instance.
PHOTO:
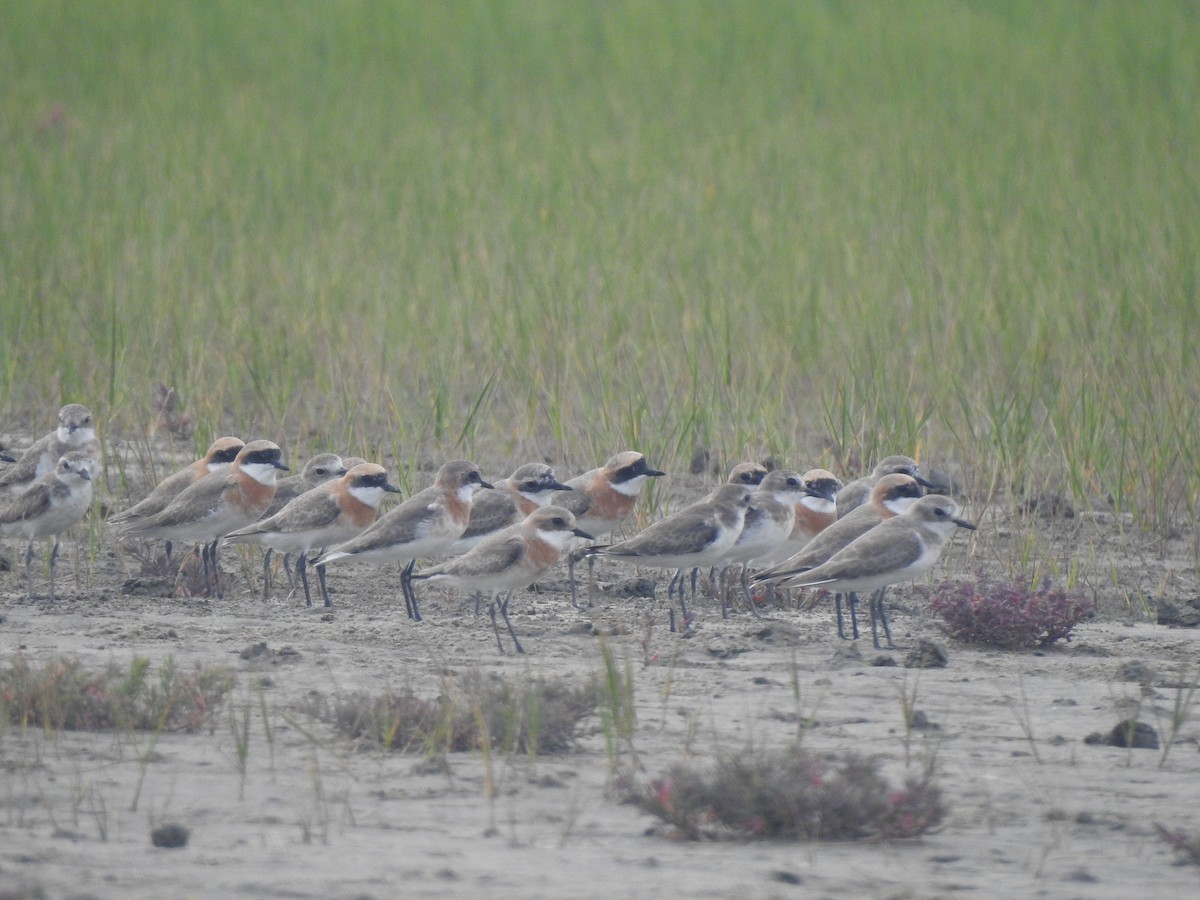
(926, 655)
(1129, 733)
(170, 836)
(1179, 613)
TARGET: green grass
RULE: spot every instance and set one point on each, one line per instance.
(965, 230)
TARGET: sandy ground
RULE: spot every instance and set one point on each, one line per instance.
(1033, 810)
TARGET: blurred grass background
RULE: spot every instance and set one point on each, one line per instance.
(823, 231)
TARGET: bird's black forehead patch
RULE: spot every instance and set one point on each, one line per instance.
(266, 456)
(629, 472)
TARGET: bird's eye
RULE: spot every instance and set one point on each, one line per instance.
(940, 511)
(558, 520)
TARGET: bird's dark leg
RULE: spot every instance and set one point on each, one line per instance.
(53, 560)
(267, 573)
(216, 570)
(492, 614)
(208, 591)
(410, 594)
(879, 615)
(288, 571)
(301, 562)
(29, 571)
(324, 588)
(504, 612)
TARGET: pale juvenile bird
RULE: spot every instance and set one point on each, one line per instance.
(75, 432)
(217, 504)
(769, 524)
(328, 514)
(321, 468)
(750, 474)
(49, 506)
(898, 549)
(856, 492)
(509, 559)
(890, 496)
(815, 512)
(698, 535)
(602, 498)
(426, 524)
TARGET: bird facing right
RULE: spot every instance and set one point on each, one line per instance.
(510, 559)
(75, 432)
(48, 507)
(898, 549)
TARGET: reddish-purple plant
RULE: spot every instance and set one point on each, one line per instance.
(1186, 846)
(789, 795)
(1009, 615)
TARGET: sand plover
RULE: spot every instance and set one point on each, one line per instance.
(769, 523)
(220, 454)
(815, 511)
(330, 513)
(697, 535)
(510, 559)
(602, 498)
(529, 487)
(897, 549)
(855, 493)
(75, 432)
(319, 469)
(217, 504)
(426, 524)
(750, 474)
(49, 506)
(890, 496)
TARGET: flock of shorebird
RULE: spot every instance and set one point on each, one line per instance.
(799, 530)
